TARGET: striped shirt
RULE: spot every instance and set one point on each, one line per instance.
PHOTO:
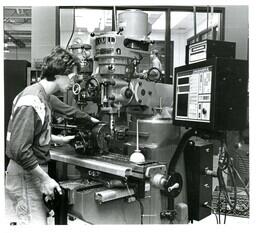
(29, 132)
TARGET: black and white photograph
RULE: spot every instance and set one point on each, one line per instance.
(126, 114)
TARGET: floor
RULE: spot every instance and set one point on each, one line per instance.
(229, 220)
(208, 220)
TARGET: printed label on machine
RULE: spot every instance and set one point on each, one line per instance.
(193, 95)
(197, 52)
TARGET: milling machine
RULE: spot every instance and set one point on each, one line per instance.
(104, 184)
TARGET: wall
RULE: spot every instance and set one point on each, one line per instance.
(237, 29)
(43, 31)
(180, 42)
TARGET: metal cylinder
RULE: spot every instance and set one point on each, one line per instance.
(135, 24)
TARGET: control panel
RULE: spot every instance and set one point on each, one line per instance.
(193, 94)
(211, 94)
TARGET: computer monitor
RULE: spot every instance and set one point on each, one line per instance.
(211, 94)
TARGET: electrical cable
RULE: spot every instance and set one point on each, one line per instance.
(243, 183)
(240, 178)
(225, 163)
(225, 215)
(73, 29)
(224, 188)
(173, 162)
(180, 148)
(219, 206)
(216, 218)
(183, 142)
(231, 170)
(233, 174)
(186, 136)
(214, 212)
(234, 185)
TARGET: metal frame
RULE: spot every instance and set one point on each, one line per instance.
(200, 34)
(166, 9)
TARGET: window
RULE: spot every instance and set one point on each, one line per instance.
(83, 22)
(184, 31)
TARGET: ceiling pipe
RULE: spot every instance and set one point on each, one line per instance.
(18, 42)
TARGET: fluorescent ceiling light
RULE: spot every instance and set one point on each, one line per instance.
(159, 23)
(176, 18)
(92, 19)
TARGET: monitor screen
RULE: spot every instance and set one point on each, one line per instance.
(193, 94)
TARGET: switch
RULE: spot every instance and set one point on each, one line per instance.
(204, 111)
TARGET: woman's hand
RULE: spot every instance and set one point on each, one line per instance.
(48, 186)
(61, 140)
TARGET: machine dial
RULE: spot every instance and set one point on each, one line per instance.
(92, 86)
(101, 134)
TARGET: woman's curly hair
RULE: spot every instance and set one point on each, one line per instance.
(59, 62)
